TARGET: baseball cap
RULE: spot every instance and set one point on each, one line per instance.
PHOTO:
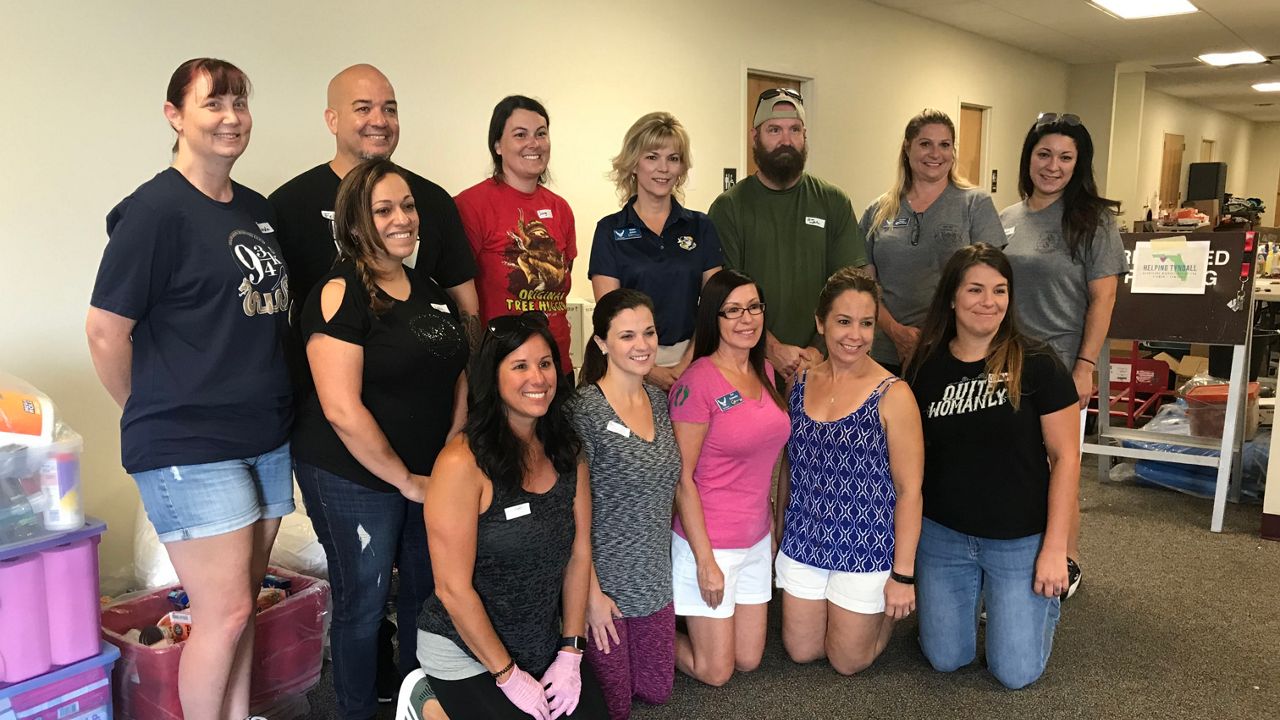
(766, 107)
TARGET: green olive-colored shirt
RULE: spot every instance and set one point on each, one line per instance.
(789, 241)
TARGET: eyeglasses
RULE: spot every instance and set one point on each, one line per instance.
(1048, 118)
(528, 320)
(915, 228)
(734, 313)
(775, 92)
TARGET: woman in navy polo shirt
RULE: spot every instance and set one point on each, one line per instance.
(653, 244)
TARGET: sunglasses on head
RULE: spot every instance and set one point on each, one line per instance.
(1048, 118)
(532, 320)
(775, 92)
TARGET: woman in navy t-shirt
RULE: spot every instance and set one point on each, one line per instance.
(188, 313)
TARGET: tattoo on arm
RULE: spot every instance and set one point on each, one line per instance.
(473, 330)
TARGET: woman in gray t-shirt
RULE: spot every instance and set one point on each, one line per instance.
(1065, 250)
(915, 227)
(634, 466)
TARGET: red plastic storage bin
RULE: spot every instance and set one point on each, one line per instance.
(79, 691)
(287, 650)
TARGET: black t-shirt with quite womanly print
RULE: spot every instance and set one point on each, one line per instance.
(986, 469)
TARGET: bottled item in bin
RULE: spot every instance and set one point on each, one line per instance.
(174, 626)
(275, 581)
(178, 599)
(60, 481)
(269, 596)
(18, 521)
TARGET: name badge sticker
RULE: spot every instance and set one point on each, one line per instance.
(544, 214)
(816, 221)
(627, 234)
(266, 227)
(899, 222)
(617, 427)
(517, 511)
(1008, 232)
(442, 308)
(728, 402)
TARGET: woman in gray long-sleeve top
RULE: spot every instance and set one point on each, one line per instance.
(915, 227)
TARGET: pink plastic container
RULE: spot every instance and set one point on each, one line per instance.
(81, 691)
(49, 601)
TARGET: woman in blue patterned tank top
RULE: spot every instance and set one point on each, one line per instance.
(855, 462)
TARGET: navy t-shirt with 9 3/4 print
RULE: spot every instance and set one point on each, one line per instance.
(209, 290)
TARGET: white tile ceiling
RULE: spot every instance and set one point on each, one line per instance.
(1075, 32)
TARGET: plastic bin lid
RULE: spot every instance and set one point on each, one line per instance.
(92, 528)
(1217, 393)
(108, 654)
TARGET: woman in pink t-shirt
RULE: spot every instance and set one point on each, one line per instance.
(522, 234)
(730, 424)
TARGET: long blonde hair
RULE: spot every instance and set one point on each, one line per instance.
(891, 201)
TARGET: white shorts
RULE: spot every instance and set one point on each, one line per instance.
(853, 591)
(746, 578)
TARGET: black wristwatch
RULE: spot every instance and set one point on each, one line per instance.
(577, 642)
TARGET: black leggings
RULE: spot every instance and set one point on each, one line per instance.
(479, 698)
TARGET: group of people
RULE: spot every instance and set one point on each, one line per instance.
(774, 393)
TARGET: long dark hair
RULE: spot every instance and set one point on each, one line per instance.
(1008, 347)
(1083, 208)
(499, 454)
(498, 122)
(354, 230)
(706, 332)
(594, 363)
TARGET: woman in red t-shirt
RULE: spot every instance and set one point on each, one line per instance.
(522, 234)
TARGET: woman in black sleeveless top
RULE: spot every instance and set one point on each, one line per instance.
(508, 525)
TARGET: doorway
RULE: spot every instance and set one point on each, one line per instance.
(757, 83)
(1171, 172)
(969, 144)
(1206, 150)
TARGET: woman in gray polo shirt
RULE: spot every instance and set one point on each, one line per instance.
(914, 227)
(1065, 250)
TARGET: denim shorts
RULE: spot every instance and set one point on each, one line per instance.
(186, 502)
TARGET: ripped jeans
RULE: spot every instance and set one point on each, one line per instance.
(363, 532)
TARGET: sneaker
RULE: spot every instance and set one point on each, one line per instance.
(414, 692)
(1073, 579)
(387, 674)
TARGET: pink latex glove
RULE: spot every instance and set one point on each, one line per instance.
(563, 681)
(525, 693)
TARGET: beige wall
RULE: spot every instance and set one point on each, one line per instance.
(86, 83)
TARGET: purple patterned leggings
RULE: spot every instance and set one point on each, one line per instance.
(642, 665)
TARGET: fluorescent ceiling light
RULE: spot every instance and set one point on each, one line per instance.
(1267, 87)
(1243, 57)
(1139, 9)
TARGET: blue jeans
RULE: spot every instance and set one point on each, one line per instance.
(954, 574)
(363, 533)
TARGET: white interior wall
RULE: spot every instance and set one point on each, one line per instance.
(89, 82)
(1167, 114)
(1091, 94)
(1264, 169)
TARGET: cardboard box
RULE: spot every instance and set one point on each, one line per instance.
(1186, 368)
